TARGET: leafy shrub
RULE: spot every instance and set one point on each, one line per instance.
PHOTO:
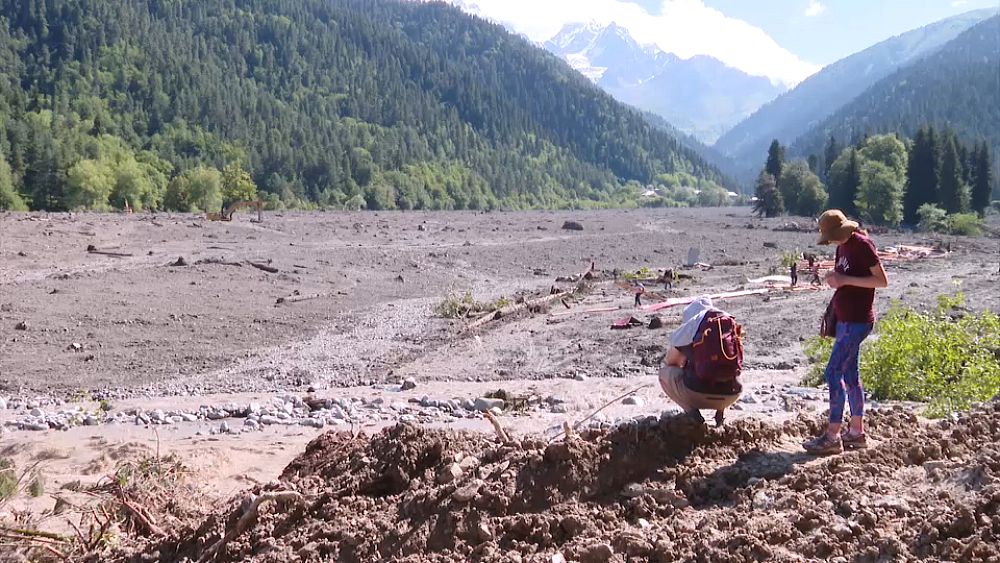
(455, 307)
(967, 224)
(8, 479)
(947, 358)
(932, 219)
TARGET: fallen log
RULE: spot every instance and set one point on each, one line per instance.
(265, 267)
(93, 250)
(510, 309)
(297, 298)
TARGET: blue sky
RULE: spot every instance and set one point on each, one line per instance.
(841, 27)
(785, 40)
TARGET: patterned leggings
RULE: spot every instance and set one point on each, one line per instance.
(844, 368)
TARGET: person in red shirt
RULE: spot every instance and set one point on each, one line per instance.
(857, 274)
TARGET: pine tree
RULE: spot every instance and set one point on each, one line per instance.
(769, 202)
(830, 154)
(921, 174)
(954, 195)
(981, 186)
(844, 188)
(775, 160)
(813, 162)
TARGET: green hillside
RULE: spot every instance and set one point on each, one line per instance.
(374, 103)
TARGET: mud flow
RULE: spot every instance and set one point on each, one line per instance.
(660, 489)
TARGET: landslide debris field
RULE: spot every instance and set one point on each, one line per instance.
(359, 290)
(152, 368)
(655, 490)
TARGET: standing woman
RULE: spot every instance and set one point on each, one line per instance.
(858, 272)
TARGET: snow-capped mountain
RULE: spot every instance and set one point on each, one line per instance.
(701, 95)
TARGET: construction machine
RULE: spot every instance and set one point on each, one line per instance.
(227, 213)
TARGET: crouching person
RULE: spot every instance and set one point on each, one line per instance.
(702, 368)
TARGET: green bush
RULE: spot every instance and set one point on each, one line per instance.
(455, 307)
(932, 219)
(967, 224)
(947, 358)
(8, 479)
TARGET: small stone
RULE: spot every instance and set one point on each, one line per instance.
(90, 420)
(451, 472)
(484, 404)
(253, 408)
(762, 501)
(633, 490)
(468, 462)
(559, 409)
(35, 426)
(76, 347)
(3, 404)
(483, 532)
(37, 412)
(468, 492)
(644, 524)
(21, 326)
(557, 558)
(495, 411)
(633, 400)
(580, 377)
(224, 428)
(408, 383)
(598, 554)
(268, 420)
(251, 424)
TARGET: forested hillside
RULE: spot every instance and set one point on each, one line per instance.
(957, 88)
(373, 103)
(822, 94)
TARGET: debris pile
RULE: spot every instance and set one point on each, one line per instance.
(657, 489)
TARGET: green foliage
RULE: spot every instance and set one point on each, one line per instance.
(788, 258)
(948, 357)
(643, 273)
(8, 479)
(981, 177)
(769, 202)
(954, 194)
(967, 224)
(888, 150)
(922, 174)
(801, 191)
(457, 307)
(237, 184)
(36, 487)
(775, 160)
(354, 103)
(844, 180)
(10, 200)
(880, 196)
(932, 219)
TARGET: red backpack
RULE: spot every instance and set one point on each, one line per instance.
(718, 349)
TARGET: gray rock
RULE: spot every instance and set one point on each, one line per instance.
(469, 405)
(495, 411)
(37, 412)
(3, 404)
(580, 377)
(408, 383)
(90, 420)
(188, 417)
(253, 408)
(268, 420)
(559, 409)
(313, 422)
(600, 552)
(224, 428)
(468, 492)
(644, 524)
(557, 558)
(633, 400)
(35, 426)
(451, 472)
(217, 415)
(484, 404)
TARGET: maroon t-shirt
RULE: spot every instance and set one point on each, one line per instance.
(856, 257)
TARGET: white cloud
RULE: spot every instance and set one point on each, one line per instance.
(815, 8)
(958, 3)
(683, 27)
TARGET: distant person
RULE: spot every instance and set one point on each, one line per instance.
(638, 289)
(702, 368)
(858, 272)
(794, 273)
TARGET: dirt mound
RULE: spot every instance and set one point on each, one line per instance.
(654, 490)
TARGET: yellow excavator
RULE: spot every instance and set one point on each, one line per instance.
(227, 213)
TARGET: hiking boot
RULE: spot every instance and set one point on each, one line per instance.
(824, 445)
(854, 441)
(720, 418)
